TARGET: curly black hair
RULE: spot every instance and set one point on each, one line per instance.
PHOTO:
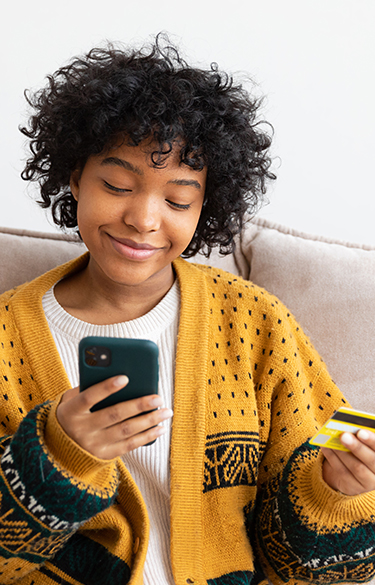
(151, 93)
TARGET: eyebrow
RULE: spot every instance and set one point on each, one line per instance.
(120, 162)
(186, 182)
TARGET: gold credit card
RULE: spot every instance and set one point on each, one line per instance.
(343, 420)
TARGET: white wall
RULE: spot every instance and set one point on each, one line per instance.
(314, 59)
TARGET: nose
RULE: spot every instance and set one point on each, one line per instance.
(143, 213)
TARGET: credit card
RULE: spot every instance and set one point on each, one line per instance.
(343, 420)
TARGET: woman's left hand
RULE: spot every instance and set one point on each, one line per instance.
(351, 473)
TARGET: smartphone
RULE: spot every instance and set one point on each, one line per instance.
(103, 357)
(343, 420)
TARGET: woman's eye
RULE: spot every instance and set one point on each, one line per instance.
(116, 189)
(179, 205)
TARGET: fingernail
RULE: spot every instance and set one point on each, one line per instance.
(121, 381)
(347, 439)
(365, 435)
(157, 401)
(160, 430)
(167, 413)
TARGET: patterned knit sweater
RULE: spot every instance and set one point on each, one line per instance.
(247, 495)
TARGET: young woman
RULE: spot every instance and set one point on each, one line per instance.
(151, 159)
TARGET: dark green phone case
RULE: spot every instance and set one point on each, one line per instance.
(136, 358)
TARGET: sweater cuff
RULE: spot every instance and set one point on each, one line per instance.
(325, 507)
(320, 534)
(70, 456)
(40, 484)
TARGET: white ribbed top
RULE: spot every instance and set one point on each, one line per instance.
(149, 465)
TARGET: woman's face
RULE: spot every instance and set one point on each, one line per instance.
(136, 219)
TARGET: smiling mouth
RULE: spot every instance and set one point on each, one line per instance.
(133, 250)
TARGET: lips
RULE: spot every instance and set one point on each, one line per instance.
(135, 245)
(133, 250)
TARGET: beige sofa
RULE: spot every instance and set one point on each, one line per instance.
(328, 285)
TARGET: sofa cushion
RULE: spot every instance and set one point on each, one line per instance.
(24, 254)
(330, 288)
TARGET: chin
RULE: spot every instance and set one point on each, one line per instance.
(134, 277)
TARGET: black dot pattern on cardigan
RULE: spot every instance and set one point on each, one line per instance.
(261, 365)
(14, 372)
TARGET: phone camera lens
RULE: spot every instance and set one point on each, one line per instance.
(98, 356)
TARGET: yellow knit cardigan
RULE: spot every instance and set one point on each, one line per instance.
(247, 495)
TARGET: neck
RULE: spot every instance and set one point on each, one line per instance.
(100, 302)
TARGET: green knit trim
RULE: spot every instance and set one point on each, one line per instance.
(236, 578)
(88, 562)
(44, 479)
(341, 555)
(41, 504)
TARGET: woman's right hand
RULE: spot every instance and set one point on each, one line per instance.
(115, 430)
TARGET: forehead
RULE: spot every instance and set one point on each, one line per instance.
(147, 151)
(148, 156)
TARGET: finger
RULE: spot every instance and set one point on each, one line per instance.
(367, 437)
(354, 477)
(128, 435)
(130, 444)
(362, 446)
(127, 409)
(337, 475)
(138, 424)
(97, 392)
(347, 459)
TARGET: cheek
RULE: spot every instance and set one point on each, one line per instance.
(194, 221)
(184, 231)
(92, 212)
(85, 220)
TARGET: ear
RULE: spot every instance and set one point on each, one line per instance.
(74, 183)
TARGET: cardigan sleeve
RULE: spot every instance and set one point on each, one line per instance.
(304, 529)
(59, 515)
(43, 500)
